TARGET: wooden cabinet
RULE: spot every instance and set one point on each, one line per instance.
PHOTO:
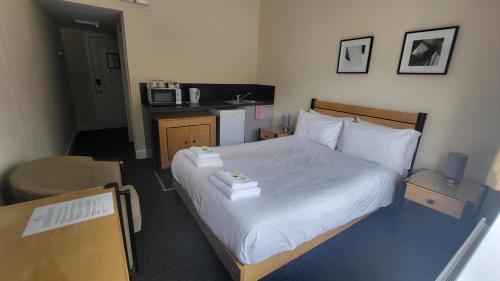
(180, 132)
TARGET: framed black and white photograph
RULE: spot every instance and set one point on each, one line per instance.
(354, 55)
(427, 51)
(113, 60)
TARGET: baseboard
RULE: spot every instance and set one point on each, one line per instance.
(141, 154)
(71, 145)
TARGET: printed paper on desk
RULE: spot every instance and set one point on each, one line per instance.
(69, 212)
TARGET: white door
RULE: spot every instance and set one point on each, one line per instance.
(107, 82)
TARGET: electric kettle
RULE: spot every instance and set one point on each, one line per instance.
(194, 95)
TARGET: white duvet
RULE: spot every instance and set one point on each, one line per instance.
(307, 189)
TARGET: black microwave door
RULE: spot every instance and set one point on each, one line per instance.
(160, 97)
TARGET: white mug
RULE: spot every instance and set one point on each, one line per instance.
(194, 95)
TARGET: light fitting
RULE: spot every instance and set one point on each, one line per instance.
(87, 22)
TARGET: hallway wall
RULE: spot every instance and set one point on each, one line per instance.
(36, 115)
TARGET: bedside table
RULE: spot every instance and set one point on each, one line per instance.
(272, 133)
(461, 201)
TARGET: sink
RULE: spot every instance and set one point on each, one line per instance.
(241, 101)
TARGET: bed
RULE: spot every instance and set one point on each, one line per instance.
(256, 236)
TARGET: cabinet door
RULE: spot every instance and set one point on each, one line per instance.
(177, 139)
(199, 135)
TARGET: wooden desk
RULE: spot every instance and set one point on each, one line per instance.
(90, 250)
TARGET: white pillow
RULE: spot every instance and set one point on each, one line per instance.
(318, 130)
(411, 148)
(328, 117)
(391, 148)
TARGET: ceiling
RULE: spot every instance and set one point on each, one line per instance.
(64, 13)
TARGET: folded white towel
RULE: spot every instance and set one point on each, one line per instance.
(204, 152)
(203, 163)
(235, 180)
(234, 194)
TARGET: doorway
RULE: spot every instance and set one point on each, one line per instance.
(93, 49)
(106, 77)
(95, 74)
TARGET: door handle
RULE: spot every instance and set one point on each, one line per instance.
(430, 201)
(99, 85)
(186, 142)
(194, 141)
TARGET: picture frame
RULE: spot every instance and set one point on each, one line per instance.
(113, 60)
(428, 51)
(355, 55)
(142, 2)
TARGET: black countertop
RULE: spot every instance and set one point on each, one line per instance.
(202, 106)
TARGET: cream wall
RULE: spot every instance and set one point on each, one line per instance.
(189, 41)
(36, 118)
(298, 50)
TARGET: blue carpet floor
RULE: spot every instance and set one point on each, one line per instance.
(412, 244)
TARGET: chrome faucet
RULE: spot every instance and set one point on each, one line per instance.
(240, 98)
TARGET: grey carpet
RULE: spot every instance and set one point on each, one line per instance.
(413, 244)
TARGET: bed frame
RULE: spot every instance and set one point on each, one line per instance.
(251, 272)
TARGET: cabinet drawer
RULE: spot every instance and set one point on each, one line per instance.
(265, 134)
(202, 120)
(173, 123)
(434, 200)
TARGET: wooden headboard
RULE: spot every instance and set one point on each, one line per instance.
(389, 118)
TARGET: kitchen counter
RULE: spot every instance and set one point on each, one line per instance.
(213, 96)
(202, 106)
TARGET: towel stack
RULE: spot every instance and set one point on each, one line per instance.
(203, 157)
(235, 185)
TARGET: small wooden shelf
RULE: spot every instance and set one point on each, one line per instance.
(272, 132)
(428, 189)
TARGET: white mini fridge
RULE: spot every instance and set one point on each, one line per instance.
(230, 126)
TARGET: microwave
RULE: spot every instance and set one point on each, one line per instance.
(164, 96)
